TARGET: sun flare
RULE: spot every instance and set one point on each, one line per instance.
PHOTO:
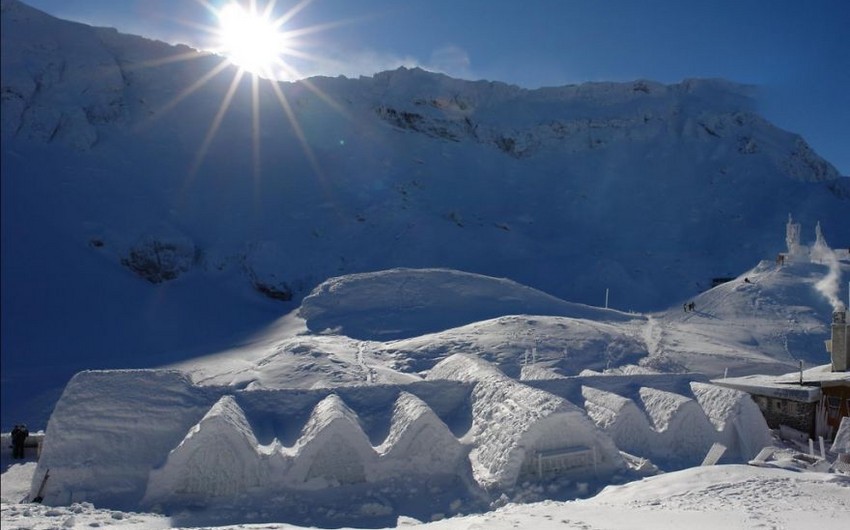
(249, 39)
(260, 40)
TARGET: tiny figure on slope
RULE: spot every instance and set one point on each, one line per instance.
(747, 280)
(19, 438)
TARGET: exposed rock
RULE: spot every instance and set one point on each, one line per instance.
(158, 260)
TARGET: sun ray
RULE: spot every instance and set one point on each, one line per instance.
(255, 126)
(214, 126)
(266, 65)
(188, 91)
(299, 132)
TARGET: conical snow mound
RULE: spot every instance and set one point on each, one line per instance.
(218, 457)
(740, 424)
(332, 449)
(521, 431)
(621, 419)
(419, 441)
(684, 431)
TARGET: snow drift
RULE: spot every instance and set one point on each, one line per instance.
(403, 303)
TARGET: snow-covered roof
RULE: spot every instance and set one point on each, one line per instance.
(787, 386)
(512, 421)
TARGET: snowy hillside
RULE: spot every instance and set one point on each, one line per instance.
(147, 218)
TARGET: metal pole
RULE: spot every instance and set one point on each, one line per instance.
(606, 298)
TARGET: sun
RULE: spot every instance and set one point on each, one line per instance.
(250, 39)
(264, 47)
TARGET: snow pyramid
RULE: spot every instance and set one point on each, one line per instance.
(738, 420)
(219, 457)
(419, 441)
(621, 419)
(332, 450)
(684, 433)
(520, 431)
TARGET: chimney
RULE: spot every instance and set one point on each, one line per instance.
(839, 345)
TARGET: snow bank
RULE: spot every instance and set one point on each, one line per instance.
(514, 425)
(401, 303)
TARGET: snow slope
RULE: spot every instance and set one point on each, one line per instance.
(114, 177)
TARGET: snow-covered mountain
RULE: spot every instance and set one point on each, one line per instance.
(152, 212)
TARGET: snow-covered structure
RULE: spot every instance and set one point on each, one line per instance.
(621, 419)
(419, 441)
(812, 401)
(839, 343)
(218, 457)
(521, 431)
(683, 428)
(841, 446)
(332, 449)
(153, 438)
(792, 238)
(739, 423)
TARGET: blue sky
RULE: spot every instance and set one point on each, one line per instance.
(797, 52)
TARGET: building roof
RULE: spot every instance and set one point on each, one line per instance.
(788, 386)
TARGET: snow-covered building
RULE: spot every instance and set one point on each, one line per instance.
(812, 401)
(523, 432)
(152, 438)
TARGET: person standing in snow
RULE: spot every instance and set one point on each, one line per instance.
(19, 438)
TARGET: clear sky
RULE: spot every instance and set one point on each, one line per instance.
(797, 51)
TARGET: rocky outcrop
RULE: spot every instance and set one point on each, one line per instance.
(159, 260)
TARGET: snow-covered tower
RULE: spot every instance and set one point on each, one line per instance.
(792, 237)
(839, 344)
